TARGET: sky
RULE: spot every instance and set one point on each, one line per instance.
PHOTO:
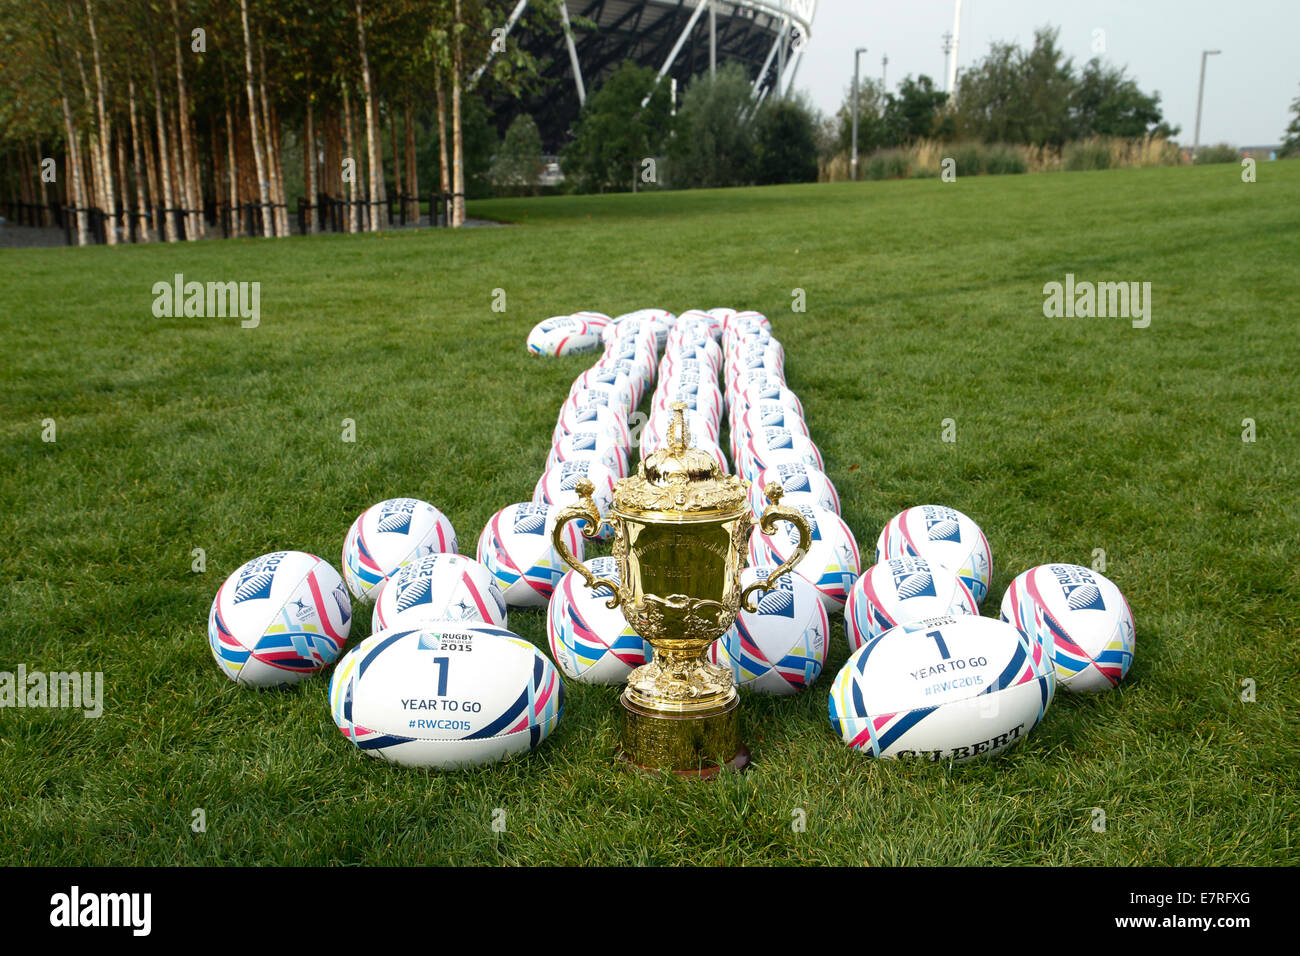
(1248, 87)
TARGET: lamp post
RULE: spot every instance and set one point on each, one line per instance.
(857, 54)
(1200, 92)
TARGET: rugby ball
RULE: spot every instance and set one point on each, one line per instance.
(781, 647)
(589, 446)
(942, 689)
(591, 642)
(279, 618)
(1082, 619)
(902, 591)
(445, 695)
(439, 587)
(565, 335)
(943, 536)
(832, 562)
(387, 535)
(803, 485)
(515, 547)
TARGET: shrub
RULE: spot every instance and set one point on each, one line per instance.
(1218, 153)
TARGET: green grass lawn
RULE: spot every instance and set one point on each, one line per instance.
(924, 303)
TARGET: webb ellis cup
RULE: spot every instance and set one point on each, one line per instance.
(681, 533)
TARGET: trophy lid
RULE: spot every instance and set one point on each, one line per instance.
(680, 479)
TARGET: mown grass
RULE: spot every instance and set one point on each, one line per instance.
(924, 302)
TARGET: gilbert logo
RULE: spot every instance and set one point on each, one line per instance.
(76, 909)
(212, 300)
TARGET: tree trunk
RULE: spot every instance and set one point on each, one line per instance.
(397, 160)
(457, 145)
(378, 215)
(164, 157)
(444, 170)
(151, 172)
(309, 170)
(262, 185)
(350, 147)
(271, 133)
(105, 136)
(142, 204)
(232, 171)
(412, 174)
(191, 189)
(124, 191)
(77, 184)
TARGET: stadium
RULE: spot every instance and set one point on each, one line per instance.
(679, 38)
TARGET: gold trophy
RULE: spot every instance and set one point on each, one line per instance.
(681, 533)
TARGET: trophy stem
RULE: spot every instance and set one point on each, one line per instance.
(697, 745)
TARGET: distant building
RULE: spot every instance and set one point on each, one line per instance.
(678, 37)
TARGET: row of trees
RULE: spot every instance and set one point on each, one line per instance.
(181, 104)
(718, 137)
(1034, 97)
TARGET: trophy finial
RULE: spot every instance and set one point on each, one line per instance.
(679, 433)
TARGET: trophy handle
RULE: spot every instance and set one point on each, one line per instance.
(586, 510)
(778, 512)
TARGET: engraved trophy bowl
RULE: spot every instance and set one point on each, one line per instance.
(681, 534)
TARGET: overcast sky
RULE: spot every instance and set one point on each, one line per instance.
(1248, 87)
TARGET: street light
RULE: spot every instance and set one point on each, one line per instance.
(856, 56)
(1200, 92)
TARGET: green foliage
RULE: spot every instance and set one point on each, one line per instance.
(518, 163)
(1086, 154)
(1291, 145)
(872, 103)
(1218, 153)
(713, 138)
(1034, 97)
(886, 164)
(785, 142)
(614, 133)
(917, 112)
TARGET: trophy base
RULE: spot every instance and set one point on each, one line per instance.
(698, 745)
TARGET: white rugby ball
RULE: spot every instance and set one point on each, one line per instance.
(564, 335)
(780, 648)
(803, 485)
(589, 445)
(943, 536)
(439, 587)
(1081, 617)
(279, 618)
(902, 591)
(831, 564)
(387, 535)
(591, 642)
(445, 695)
(515, 547)
(942, 689)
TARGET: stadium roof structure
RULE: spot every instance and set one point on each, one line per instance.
(679, 38)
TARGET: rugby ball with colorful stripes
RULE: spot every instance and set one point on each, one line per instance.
(943, 536)
(279, 618)
(831, 564)
(942, 689)
(781, 647)
(387, 535)
(515, 547)
(439, 587)
(901, 591)
(1081, 617)
(566, 335)
(445, 695)
(591, 642)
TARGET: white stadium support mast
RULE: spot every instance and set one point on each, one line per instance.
(956, 40)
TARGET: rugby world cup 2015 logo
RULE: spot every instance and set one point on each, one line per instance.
(530, 519)
(395, 516)
(778, 602)
(794, 477)
(571, 472)
(1079, 588)
(941, 524)
(256, 577)
(912, 578)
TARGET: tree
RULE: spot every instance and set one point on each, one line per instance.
(1105, 102)
(1291, 145)
(871, 117)
(1018, 96)
(713, 139)
(917, 112)
(785, 142)
(519, 163)
(614, 133)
